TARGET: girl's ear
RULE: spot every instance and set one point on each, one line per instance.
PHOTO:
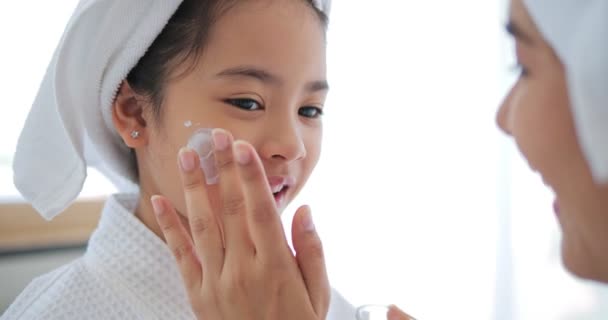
(127, 115)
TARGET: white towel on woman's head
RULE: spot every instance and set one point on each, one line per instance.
(578, 32)
(70, 125)
(323, 5)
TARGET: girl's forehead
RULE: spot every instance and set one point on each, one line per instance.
(275, 15)
(267, 42)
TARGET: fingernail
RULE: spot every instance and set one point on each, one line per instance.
(186, 159)
(157, 205)
(242, 154)
(220, 140)
(307, 224)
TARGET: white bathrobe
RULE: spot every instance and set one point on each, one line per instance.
(127, 272)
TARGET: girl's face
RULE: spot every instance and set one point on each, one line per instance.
(262, 77)
(537, 114)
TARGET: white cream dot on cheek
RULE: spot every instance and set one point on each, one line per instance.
(202, 142)
(190, 124)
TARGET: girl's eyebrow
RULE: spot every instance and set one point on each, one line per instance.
(517, 32)
(317, 86)
(250, 72)
(267, 77)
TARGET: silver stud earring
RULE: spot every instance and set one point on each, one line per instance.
(134, 134)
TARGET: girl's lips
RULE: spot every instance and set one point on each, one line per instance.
(277, 183)
(279, 197)
(279, 186)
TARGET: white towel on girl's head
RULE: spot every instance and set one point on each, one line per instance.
(578, 32)
(70, 125)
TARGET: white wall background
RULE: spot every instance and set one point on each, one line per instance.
(420, 200)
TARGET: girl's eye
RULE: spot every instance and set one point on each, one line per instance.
(310, 112)
(245, 104)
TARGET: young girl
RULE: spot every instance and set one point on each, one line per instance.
(129, 85)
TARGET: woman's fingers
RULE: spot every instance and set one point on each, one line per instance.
(204, 226)
(179, 242)
(311, 259)
(262, 216)
(236, 234)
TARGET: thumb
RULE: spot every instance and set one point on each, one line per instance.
(311, 260)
